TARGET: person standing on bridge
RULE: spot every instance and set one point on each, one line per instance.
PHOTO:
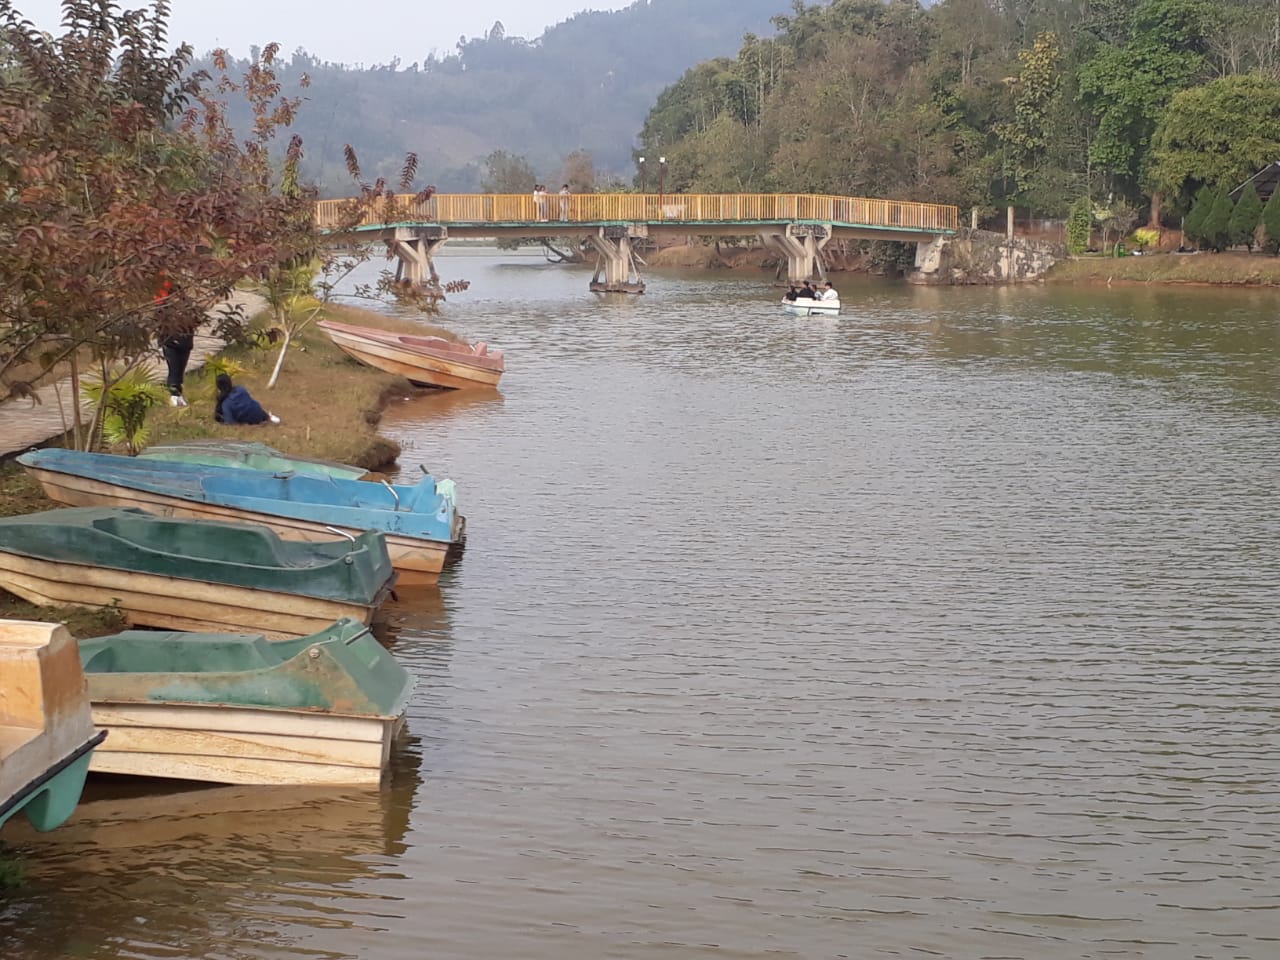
(540, 201)
(564, 202)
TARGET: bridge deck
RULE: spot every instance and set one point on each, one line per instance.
(509, 212)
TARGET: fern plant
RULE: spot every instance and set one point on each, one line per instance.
(123, 402)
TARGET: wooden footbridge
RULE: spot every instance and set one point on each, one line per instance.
(797, 226)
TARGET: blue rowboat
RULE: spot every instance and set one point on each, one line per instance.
(420, 521)
(192, 574)
(237, 708)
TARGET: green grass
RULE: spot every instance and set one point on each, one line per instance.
(1206, 268)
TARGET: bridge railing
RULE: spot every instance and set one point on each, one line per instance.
(521, 209)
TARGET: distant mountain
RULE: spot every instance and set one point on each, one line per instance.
(585, 84)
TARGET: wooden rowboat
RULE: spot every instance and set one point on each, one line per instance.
(191, 574)
(421, 523)
(428, 361)
(46, 732)
(236, 708)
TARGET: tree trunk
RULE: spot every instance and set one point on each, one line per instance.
(1154, 221)
(284, 348)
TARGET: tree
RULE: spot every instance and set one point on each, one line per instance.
(117, 172)
(1079, 226)
(1035, 86)
(1193, 223)
(1128, 85)
(1217, 224)
(1222, 132)
(1271, 223)
(1245, 217)
(507, 173)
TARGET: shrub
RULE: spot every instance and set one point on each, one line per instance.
(1145, 237)
(1079, 226)
(1245, 217)
(1271, 223)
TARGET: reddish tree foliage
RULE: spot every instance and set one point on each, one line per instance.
(119, 173)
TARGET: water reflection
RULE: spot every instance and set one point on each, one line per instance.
(253, 868)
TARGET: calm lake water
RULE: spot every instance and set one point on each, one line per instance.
(948, 627)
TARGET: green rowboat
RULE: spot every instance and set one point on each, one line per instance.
(237, 708)
(192, 574)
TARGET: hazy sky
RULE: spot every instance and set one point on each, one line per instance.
(364, 31)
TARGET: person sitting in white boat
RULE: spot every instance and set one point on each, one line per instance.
(829, 292)
(236, 405)
(791, 293)
(807, 292)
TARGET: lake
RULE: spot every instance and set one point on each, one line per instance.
(947, 627)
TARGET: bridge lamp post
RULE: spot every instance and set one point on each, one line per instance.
(643, 183)
(662, 178)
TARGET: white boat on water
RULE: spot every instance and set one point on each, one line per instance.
(804, 307)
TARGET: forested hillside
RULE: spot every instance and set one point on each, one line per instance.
(585, 84)
(986, 102)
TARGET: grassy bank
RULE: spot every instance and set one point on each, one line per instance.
(1201, 268)
(328, 403)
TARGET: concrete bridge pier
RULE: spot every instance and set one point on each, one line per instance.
(414, 248)
(802, 245)
(616, 259)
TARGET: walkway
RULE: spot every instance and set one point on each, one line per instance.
(723, 213)
(24, 424)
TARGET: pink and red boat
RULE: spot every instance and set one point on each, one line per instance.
(428, 361)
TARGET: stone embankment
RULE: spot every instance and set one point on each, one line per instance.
(983, 257)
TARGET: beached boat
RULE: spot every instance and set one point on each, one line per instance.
(237, 708)
(249, 455)
(46, 732)
(428, 361)
(420, 521)
(804, 307)
(192, 574)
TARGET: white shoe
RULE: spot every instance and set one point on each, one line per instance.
(177, 401)
(273, 418)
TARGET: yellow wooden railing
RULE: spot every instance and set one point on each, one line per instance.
(746, 208)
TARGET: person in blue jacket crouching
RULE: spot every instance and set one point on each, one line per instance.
(236, 405)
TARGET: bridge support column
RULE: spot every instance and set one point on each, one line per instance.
(802, 245)
(414, 248)
(616, 259)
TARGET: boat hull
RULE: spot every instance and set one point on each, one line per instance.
(46, 732)
(811, 308)
(415, 366)
(231, 744)
(420, 561)
(159, 601)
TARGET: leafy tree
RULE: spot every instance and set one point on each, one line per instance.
(118, 172)
(1036, 85)
(1271, 223)
(1243, 224)
(1128, 85)
(1222, 132)
(1079, 226)
(507, 173)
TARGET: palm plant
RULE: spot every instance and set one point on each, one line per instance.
(123, 401)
